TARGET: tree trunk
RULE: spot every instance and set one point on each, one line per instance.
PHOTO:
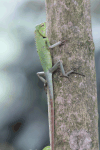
(75, 99)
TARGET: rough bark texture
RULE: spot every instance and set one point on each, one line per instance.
(76, 113)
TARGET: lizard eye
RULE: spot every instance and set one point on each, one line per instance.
(42, 25)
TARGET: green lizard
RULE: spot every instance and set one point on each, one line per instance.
(43, 49)
(47, 148)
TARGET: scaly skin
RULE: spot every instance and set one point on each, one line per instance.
(42, 44)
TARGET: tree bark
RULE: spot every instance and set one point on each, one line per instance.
(75, 100)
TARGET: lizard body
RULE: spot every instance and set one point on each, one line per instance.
(43, 50)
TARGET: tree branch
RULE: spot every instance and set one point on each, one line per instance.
(76, 113)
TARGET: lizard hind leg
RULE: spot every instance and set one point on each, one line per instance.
(59, 63)
(40, 74)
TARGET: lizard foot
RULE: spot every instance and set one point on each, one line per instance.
(72, 71)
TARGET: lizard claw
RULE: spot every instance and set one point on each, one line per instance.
(66, 76)
(62, 42)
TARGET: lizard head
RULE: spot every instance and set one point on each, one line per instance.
(41, 28)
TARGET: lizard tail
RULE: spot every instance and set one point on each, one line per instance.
(51, 119)
(50, 109)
